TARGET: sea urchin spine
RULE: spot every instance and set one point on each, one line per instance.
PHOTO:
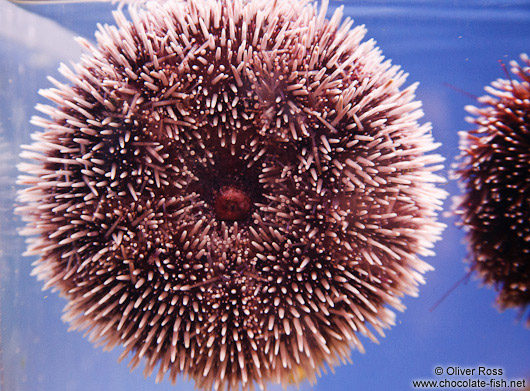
(232, 190)
(495, 175)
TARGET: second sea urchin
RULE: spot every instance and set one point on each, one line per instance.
(232, 190)
(495, 176)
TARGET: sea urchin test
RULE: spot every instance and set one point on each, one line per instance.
(231, 190)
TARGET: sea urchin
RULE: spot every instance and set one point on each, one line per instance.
(495, 175)
(232, 190)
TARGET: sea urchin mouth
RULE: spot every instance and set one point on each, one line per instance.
(232, 203)
(232, 190)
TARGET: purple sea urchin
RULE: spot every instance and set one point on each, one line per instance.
(495, 175)
(231, 190)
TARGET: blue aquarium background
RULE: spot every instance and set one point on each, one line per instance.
(452, 47)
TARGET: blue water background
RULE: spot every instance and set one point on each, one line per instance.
(452, 48)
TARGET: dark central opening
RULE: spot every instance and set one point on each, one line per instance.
(229, 187)
(232, 204)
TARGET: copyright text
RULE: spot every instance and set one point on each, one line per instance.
(452, 377)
